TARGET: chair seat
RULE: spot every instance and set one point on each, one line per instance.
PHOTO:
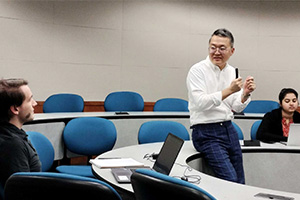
(79, 170)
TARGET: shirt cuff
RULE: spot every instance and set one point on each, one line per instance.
(217, 98)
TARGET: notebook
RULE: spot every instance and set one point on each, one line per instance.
(163, 164)
(294, 135)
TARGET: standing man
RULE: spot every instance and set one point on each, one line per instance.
(214, 93)
(16, 107)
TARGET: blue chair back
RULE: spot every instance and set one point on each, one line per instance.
(261, 106)
(157, 131)
(239, 131)
(254, 129)
(149, 185)
(89, 135)
(171, 104)
(124, 101)
(63, 103)
(43, 148)
(46, 185)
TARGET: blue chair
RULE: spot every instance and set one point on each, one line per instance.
(63, 103)
(239, 131)
(261, 106)
(43, 148)
(124, 101)
(157, 131)
(254, 129)
(87, 136)
(171, 104)
(46, 185)
(149, 185)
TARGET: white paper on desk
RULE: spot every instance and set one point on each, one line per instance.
(115, 162)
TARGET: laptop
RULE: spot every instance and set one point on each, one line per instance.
(163, 164)
(294, 135)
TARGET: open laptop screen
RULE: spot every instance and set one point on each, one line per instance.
(168, 154)
(294, 135)
(163, 164)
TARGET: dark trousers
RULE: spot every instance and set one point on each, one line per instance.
(220, 146)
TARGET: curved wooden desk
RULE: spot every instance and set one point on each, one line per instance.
(188, 156)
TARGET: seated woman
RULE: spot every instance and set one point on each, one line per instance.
(275, 124)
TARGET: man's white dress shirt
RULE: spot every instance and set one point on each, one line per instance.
(205, 82)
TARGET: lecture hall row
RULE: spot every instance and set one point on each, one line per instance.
(114, 101)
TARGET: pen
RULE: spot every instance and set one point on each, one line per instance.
(236, 73)
(109, 158)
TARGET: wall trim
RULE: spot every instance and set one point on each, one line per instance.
(93, 106)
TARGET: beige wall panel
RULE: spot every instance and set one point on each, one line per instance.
(98, 14)
(278, 53)
(84, 45)
(26, 40)
(145, 46)
(92, 82)
(157, 16)
(155, 49)
(41, 11)
(269, 83)
(281, 18)
(157, 83)
(239, 17)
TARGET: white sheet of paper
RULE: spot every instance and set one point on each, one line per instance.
(115, 162)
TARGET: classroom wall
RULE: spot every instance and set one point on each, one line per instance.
(96, 47)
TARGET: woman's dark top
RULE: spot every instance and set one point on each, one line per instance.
(270, 129)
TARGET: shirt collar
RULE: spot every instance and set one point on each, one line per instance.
(13, 130)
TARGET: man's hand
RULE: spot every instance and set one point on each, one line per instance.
(235, 86)
(249, 85)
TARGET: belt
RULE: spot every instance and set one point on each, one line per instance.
(209, 124)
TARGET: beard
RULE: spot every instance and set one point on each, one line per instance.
(29, 117)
